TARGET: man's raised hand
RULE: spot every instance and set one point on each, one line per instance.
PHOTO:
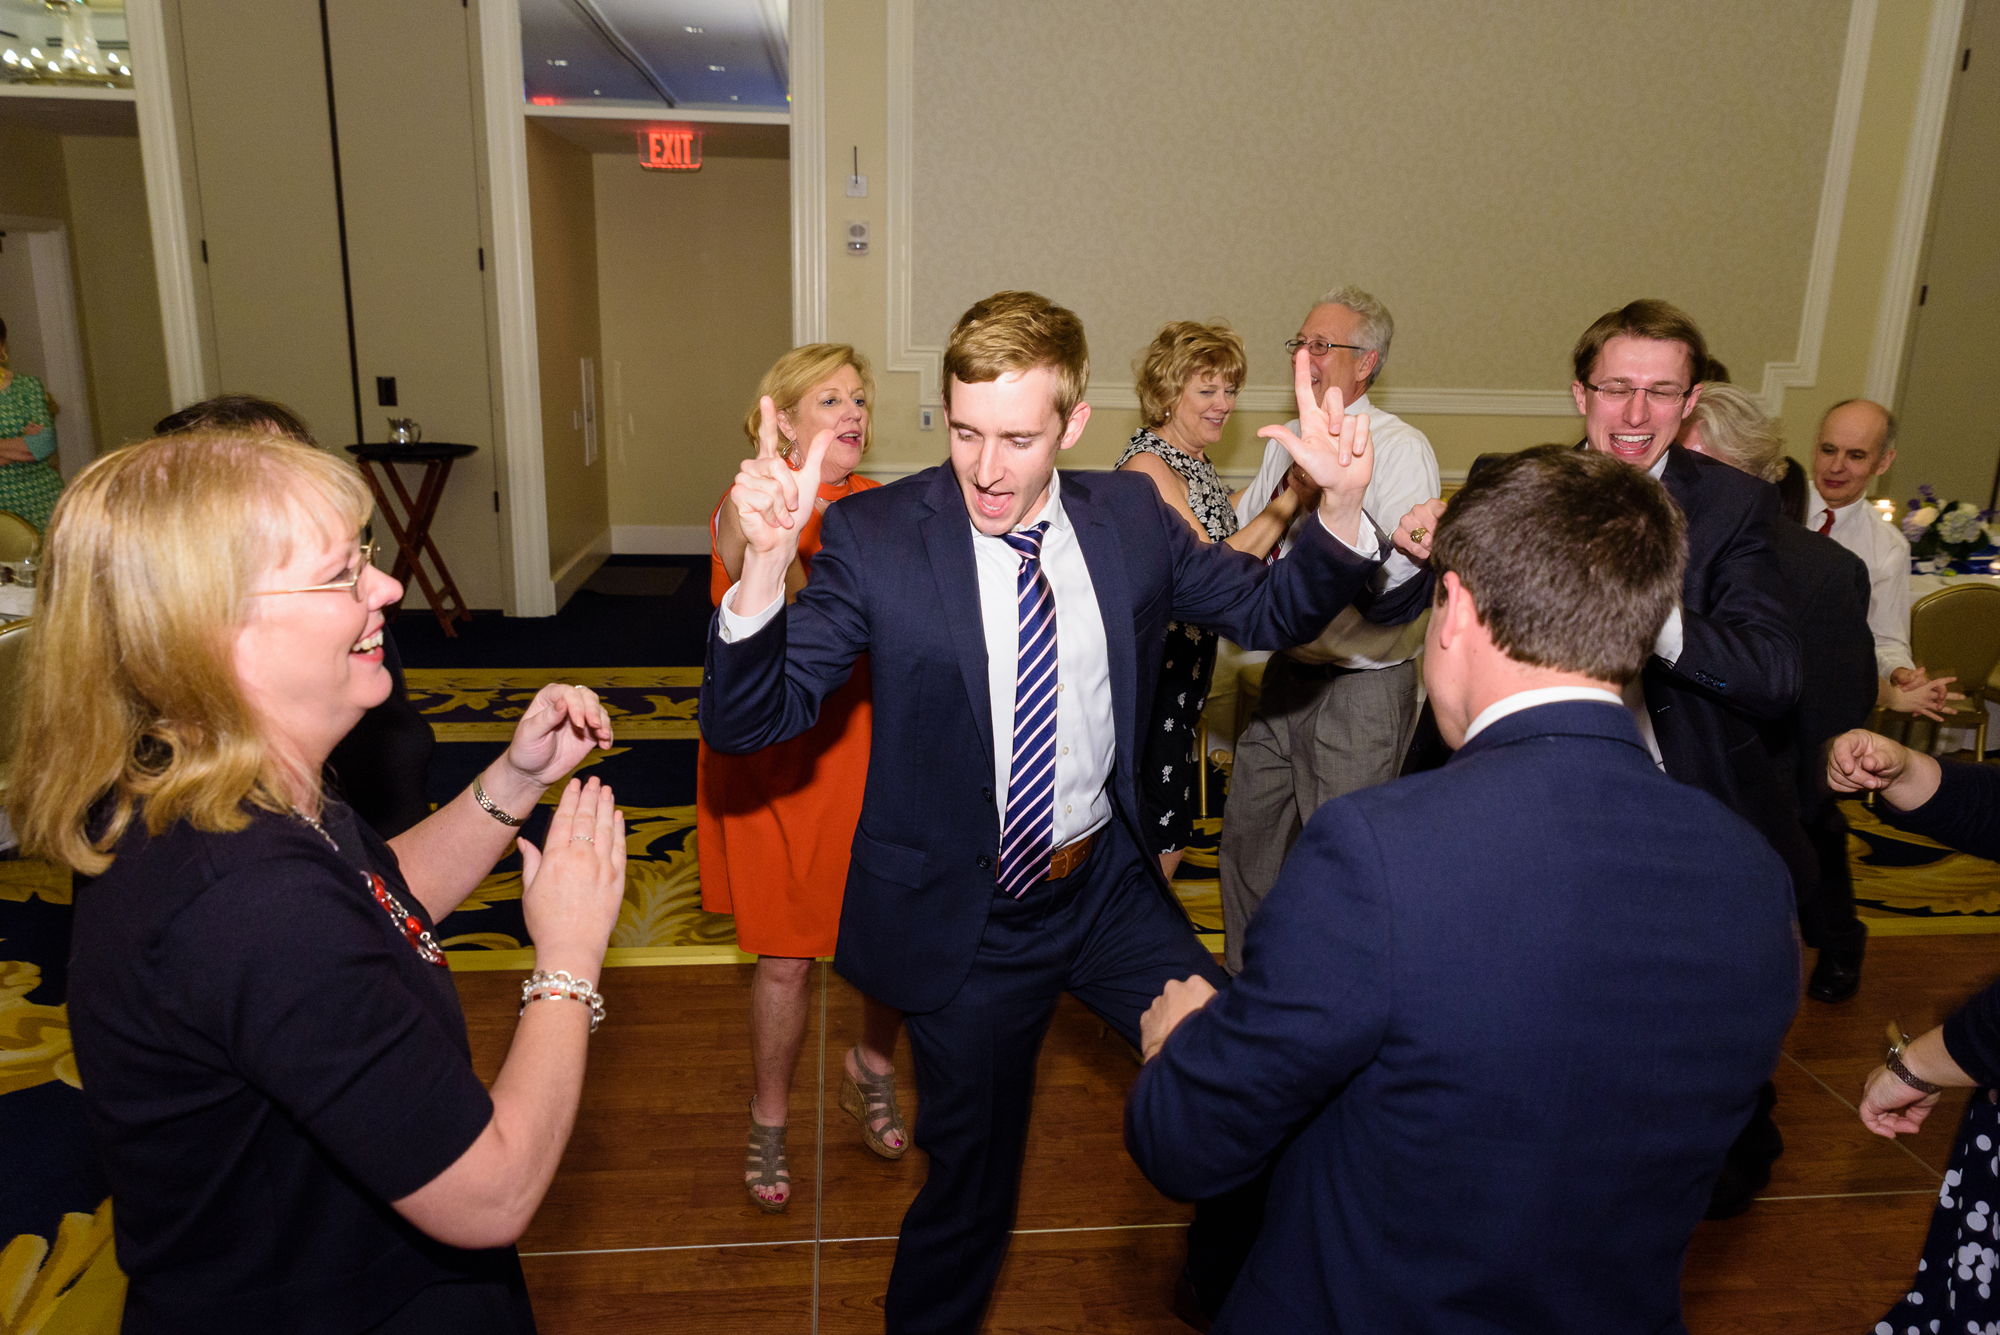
(1332, 447)
(773, 500)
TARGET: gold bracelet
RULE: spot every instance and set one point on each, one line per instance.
(479, 796)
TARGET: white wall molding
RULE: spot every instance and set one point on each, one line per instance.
(926, 360)
(1913, 204)
(808, 163)
(529, 590)
(582, 566)
(660, 539)
(166, 200)
(62, 347)
(639, 111)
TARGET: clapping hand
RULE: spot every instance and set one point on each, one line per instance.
(573, 884)
(1913, 691)
(1174, 1004)
(1331, 448)
(561, 726)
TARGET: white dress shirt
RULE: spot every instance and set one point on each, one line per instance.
(1541, 695)
(1405, 475)
(1666, 647)
(1886, 552)
(1086, 738)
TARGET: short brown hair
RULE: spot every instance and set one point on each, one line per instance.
(793, 375)
(1572, 558)
(1019, 331)
(1178, 353)
(237, 413)
(1648, 317)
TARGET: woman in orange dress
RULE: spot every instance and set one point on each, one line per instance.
(773, 830)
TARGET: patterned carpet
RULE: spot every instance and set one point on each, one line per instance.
(58, 1275)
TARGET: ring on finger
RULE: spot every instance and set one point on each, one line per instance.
(587, 838)
(1419, 533)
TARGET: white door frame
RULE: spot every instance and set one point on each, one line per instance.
(61, 342)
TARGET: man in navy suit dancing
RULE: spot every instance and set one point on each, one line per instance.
(1015, 622)
(1498, 1022)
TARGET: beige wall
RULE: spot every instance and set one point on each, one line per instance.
(111, 245)
(564, 218)
(694, 293)
(34, 181)
(1752, 307)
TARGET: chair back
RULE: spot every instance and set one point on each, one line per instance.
(1955, 632)
(13, 664)
(18, 538)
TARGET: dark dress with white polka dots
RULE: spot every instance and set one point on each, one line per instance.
(1168, 770)
(1959, 1275)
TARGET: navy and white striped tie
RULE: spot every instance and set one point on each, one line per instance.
(1027, 837)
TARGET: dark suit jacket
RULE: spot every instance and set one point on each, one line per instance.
(1498, 1023)
(895, 578)
(1739, 660)
(1826, 589)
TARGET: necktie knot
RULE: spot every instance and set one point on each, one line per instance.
(1826, 524)
(1028, 541)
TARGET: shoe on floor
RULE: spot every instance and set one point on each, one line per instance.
(1836, 976)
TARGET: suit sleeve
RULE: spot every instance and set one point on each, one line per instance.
(768, 687)
(1742, 648)
(1308, 1011)
(1259, 606)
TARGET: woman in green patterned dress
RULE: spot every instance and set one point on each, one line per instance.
(28, 485)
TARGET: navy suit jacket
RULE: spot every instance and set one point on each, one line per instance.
(1739, 660)
(894, 578)
(1498, 1023)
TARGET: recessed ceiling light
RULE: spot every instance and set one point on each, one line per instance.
(715, 69)
(692, 28)
(558, 62)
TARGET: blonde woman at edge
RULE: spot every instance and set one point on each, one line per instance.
(774, 829)
(1187, 379)
(275, 1066)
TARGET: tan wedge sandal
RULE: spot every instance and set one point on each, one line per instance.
(870, 1101)
(764, 1163)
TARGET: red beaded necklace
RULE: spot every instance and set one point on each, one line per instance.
(414, 931)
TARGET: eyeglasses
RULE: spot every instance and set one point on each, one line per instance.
(1319, 347)
(349, 584)
(1659, 394)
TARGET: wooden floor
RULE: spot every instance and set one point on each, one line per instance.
(647, 1227)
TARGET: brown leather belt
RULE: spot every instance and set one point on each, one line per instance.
(1070, 856)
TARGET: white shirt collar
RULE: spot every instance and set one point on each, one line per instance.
(1543, 695)
(1659, 465)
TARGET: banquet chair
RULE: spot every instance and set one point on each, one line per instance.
(13, 662)
(18, 538)
(1955, 632)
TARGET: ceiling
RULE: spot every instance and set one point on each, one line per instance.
(689, 54)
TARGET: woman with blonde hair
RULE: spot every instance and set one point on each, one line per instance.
(774, 829)
(1187, 379)
(274, 1063)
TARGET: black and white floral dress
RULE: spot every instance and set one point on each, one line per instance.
(1168, 770)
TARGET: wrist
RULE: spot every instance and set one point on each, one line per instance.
(1917, 784)
(1342, 517)
(579, 962)
(510, 788)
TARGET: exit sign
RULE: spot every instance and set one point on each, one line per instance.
(670, 148)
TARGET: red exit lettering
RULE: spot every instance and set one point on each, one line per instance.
(670, 148)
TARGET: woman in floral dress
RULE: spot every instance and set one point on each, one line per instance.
(28, 485)
(1187, 380)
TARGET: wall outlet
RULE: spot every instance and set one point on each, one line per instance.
(925, 419)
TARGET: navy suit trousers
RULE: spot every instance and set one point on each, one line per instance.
(1103, 933)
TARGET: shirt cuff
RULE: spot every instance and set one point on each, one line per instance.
(1667, 648)
(734, 627)
(1367, 544)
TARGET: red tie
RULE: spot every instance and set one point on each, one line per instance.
(1826, 524)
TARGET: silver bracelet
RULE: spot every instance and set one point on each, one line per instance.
(479, 796)
(541, 985)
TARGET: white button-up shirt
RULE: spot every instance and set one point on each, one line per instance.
(1405, 475)
(1886, 552)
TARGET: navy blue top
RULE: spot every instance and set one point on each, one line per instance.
(266, 1063)
(1498, 1024)
(1964, 813)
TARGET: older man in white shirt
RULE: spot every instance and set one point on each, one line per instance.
(1857, 443)
(1336, 714)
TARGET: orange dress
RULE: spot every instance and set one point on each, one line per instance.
(774, 830)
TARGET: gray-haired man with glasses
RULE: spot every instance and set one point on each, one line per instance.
(1334, 714)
